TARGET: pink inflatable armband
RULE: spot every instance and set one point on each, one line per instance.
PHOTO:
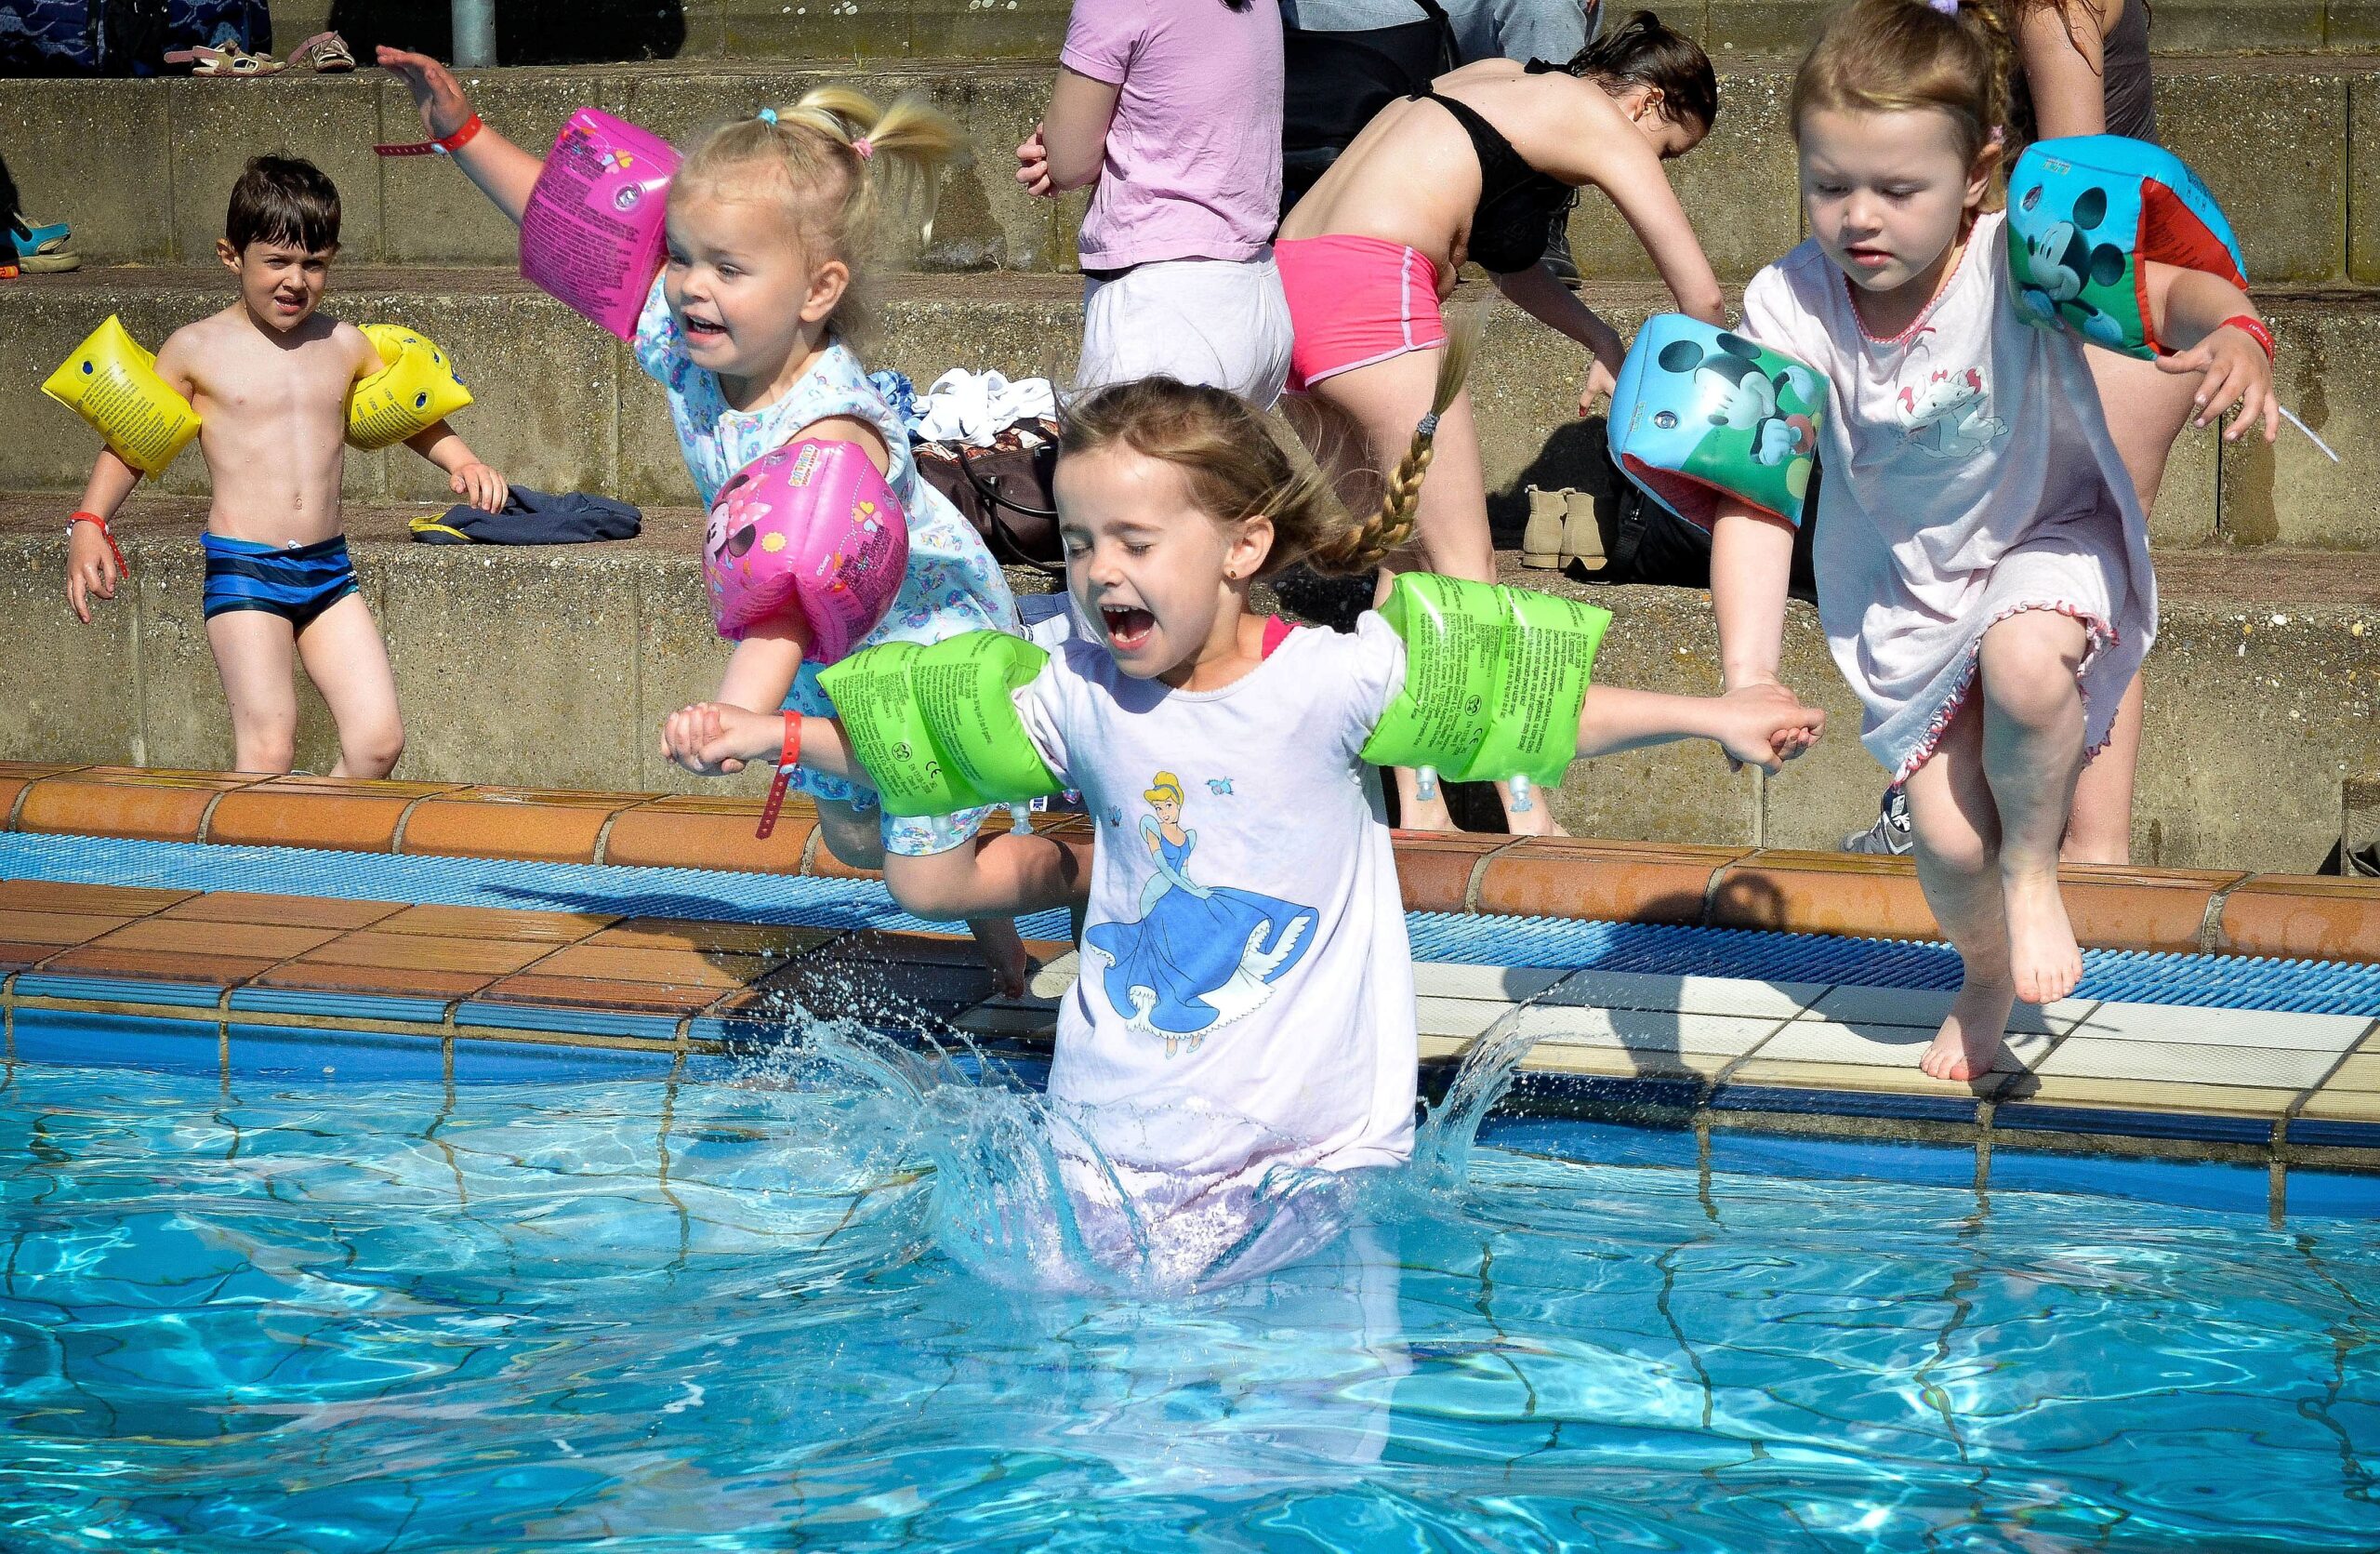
(812, 528)
(590, 235)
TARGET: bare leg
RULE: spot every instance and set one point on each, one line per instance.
(2032, 752)
(254, 655)
(1387, 400)
(348, 663)
(1957, 831)
(856, 838)
(2145, 410)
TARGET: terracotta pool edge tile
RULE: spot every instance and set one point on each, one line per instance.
(116, 807)
(467, 820)
(371, 824)
(2270, 914)
(648, 835)
(1822, 893)
(1628, 880)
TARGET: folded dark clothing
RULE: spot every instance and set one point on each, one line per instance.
(532, 517)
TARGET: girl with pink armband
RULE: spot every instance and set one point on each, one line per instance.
(822, 537)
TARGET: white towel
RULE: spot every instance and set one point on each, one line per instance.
(965, 407)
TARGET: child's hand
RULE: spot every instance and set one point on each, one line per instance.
(1765, 727)
(1033, 166)
(2237, 371)
(435, 91)
(714, 738)
(90, 569)
(480, 485)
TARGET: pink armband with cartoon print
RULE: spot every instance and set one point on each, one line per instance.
(812, 528)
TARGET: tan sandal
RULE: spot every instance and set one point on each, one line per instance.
(224, 61)
(327, 52)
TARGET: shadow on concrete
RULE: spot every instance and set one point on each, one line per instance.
(527, 32)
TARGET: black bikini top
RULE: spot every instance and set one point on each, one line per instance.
(1515, 217)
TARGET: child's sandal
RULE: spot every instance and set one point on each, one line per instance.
(224, 61)
(327, 52)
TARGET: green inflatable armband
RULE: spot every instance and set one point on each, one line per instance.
(934, 725)
(1494, 679)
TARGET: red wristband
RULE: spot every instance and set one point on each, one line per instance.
(2254, 328)
(445, 145)
(789, 757)
(105, 533)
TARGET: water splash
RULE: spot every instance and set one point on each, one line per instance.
(1442, 1144)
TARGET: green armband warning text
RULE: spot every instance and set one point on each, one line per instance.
(1494, 679)
(934, 725)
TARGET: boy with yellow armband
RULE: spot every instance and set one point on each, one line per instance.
(274, 393)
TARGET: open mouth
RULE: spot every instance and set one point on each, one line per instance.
(704, 328)
(1127, 627)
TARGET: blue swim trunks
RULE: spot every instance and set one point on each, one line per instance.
(295, 582)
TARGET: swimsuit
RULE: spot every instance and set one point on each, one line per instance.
(1354, 302)
(1515, 217)
(295, 582)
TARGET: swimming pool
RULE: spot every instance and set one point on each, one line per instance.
(258, 1307)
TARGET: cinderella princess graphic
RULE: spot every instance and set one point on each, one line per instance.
(1200, 956)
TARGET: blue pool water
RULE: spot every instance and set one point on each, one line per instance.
(766, 1311)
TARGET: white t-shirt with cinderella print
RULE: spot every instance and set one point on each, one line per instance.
(952, 584)
(1247, 987)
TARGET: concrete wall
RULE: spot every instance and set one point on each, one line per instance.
(560, 407)
(2271, 138)
(554, 667)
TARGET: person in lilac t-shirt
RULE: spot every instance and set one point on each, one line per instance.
(1174, 111)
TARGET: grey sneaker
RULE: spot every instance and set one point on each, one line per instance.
(1890, 836)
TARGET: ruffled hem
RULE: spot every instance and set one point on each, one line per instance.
(2102, 636)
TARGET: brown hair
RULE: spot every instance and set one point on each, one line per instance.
(1237, 467)
(1645, 51)
(1895, 56)
(282, 199)
(844, 160)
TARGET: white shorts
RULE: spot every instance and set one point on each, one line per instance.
(1219, 321)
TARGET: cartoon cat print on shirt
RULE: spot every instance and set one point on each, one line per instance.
(1950, 415)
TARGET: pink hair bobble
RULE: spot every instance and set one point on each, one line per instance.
(862, 147)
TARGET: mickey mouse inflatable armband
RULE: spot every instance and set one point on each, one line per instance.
(2084, 212)
(1700, 412)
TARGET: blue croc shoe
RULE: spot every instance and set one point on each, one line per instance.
(43, 250)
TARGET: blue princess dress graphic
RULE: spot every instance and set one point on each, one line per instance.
(1200, 956)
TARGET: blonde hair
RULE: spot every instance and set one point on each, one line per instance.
(1895, 56)
(1164, 786)
(1236, 467)
(845, 163)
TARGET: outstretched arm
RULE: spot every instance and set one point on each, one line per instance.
(1623, 164)
(1557, 306)
(504, 172)
(1754, 725)
(1751, 562)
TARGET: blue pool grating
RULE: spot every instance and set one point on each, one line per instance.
(2122, 975)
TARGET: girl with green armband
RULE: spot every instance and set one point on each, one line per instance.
(1247, 992)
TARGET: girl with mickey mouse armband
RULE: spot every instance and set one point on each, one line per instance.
(1247, 993)
(1982, 555)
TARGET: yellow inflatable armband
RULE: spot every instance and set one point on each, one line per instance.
(415, 390)
(111, 383)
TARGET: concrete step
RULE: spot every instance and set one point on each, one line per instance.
(562, 406)
(562, 31)
(165, 154)
(554, 666)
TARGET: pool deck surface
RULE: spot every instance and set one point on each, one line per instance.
(242, 911)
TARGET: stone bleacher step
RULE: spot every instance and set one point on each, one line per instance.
(554, 666)
(735, 30)
(167, 154)
(560, 406)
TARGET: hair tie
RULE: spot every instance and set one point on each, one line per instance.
(1947, 7)
(1999, 134)
(862, 147)
(767, 116)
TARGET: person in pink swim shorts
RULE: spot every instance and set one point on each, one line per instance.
(1474, 169)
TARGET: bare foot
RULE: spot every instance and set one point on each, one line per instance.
(1002, 949)
(2043, 961)
(1969, 1043)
